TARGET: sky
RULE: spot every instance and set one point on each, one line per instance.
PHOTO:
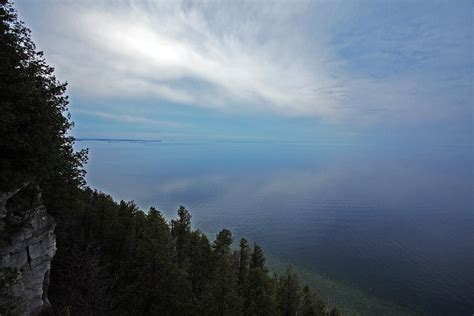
(317, 71)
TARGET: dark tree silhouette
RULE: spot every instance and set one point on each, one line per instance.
(113, 258)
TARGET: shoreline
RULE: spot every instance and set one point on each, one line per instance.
(349, 299)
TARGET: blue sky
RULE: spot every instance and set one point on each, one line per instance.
(322, 71)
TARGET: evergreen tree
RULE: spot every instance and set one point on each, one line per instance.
(244, 256)
(225, 279)
(311, 304)
(289, 293)
(34, 146)
(180, 229)
(150, 278)
(259, 293)
(257, 260)
(200, 272)
(112, 258)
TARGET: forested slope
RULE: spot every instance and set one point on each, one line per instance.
(112, 258)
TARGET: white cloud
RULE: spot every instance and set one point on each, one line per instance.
(171, 51)
(253, 56)
(128, 118)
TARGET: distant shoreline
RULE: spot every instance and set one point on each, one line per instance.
(120, 140)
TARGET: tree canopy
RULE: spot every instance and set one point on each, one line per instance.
(116, 258)
(34, 122)
(113, 258)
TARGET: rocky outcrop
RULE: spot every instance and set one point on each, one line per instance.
(27, 247)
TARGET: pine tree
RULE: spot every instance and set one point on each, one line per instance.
(225, 279)
(180, 229)
(311, 304)
(259, 293)
(112, 258)
(257, 260)
(34, 146)
(200, 272)
(244, 255)
(289, 293)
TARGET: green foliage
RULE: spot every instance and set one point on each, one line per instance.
(312, 304)
(180, 229)
(34, 145)
(289, 293)
(243, 265)
(112, 258)
(257, 260)
(225, 285)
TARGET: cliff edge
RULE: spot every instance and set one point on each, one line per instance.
(27, 247)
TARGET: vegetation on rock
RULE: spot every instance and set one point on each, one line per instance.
(113, 258)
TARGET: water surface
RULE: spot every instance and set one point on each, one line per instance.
(394, 222)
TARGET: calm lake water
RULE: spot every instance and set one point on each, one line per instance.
(396, 223)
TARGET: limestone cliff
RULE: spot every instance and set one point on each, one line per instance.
(27, 246)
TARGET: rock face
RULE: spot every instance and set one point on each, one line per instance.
(27, 247)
